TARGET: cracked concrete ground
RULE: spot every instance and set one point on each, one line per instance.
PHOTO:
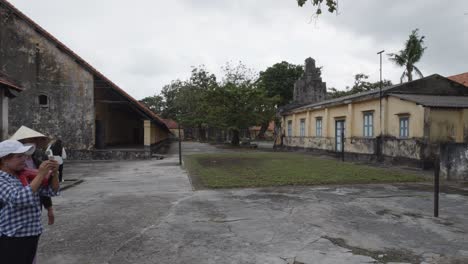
(146, 212)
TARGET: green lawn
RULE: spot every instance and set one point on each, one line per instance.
(259, 169)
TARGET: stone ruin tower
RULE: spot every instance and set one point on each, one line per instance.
(309, 88)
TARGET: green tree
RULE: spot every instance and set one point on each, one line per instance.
(332, 5)
(239, 106)
(170, 93)
(155, 103)
(409, 56)
(360, 85)
(278, 81)
(238, 103)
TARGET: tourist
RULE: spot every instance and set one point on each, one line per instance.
(28, 136)
(20, 206)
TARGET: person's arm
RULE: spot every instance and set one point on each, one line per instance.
(19, 197)
(64, 154)
(54, 184)
(43, 171)
(54, 179)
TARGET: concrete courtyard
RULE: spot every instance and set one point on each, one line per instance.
(147, 212)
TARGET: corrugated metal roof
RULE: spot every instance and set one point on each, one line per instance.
(346, 98)
(435, 100)
(402, 88)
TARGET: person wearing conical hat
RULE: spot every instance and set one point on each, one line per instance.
(29, 136)
(26, 132)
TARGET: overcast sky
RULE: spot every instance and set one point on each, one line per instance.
(141, 45)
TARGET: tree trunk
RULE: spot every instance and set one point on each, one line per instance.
(409, 73)
(235, 137)
(201, 133)
(263, 129)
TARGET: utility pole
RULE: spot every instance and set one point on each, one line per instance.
(379, 143)
(180, 145)
(436, 186)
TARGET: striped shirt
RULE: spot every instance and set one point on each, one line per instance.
(20, 208)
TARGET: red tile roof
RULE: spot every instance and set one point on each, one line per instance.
(271, 127)
(460, 78)
(171, 124)
(82, 62)
(4, 79)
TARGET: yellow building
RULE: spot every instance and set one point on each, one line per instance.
(407, 123)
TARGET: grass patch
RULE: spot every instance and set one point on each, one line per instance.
(260, 169)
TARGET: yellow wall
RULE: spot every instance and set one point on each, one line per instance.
(175, 131)
(358, 117)
(354, 115)
(157, 134)
(312, 118)
(297, 124)
(153, 133)
(396, 107)
(333, 114)
(446, 125)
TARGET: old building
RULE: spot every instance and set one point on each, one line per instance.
(65, 97)
(8, 89)
(174, 128)
(309, 88)
(405, 123)
(254, 131)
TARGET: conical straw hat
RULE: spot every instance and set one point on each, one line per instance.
(25, 132)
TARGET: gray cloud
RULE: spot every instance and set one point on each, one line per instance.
(143, 45)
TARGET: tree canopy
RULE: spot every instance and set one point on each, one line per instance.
(331, 5)
(278, 80)
(155, 103)
(409, 56)
(201, 101)
(360, 85)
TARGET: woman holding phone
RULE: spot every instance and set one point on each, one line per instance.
(20, 206)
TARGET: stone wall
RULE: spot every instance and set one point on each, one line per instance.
(404, 148)
(361, 145)
(108, 154)
(309, 88)
(319, 143)
(162, 147)
(454, 161)
(410, 152)
(42, 68)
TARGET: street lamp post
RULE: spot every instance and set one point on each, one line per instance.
(379, 143)
(180, 144)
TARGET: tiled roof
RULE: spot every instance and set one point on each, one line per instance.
(83, 63)
(5, 80)
(171, 124)
(435, 100)
(460, 78)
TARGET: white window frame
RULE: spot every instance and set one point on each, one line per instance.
(302, 123)
(368, 124)
(289, 128)
(404, 126)
(318, 126)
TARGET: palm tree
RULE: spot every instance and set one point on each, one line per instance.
(408, 56)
